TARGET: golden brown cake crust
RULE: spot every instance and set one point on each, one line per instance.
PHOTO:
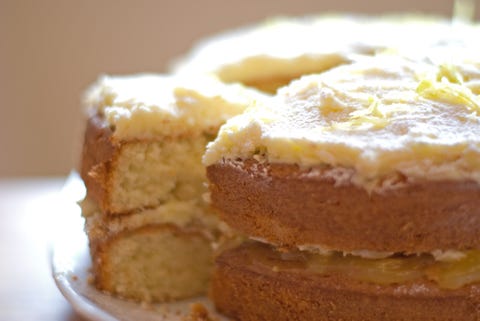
(247, 289)
(289, 206)
(97, 156)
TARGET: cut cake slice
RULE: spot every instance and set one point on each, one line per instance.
(151, 233)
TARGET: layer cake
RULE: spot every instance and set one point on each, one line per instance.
(360, 187)
(151, 233)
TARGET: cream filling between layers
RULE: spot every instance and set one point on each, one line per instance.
(183, 214)
(449, 269)
(439, 255)
(398, 269)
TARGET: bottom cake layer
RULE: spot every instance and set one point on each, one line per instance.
(153, 263)
(256, 282)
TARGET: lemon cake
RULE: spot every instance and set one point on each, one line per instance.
(151, 233)
(360, 188)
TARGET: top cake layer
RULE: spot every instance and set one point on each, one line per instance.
(147, 106)
(146, 135)
(286, 48)
(382, 115)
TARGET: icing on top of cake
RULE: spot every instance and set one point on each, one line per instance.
(147, 105)
(286, 47)
(380, 116)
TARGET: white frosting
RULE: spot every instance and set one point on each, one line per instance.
(366, 254)
(286, 47)
(448, 255)
(147, 105)
(379, 116)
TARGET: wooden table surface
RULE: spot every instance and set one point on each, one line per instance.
(27, 289)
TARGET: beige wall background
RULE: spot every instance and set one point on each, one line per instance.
(51, 50)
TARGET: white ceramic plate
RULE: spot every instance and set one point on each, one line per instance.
(70, 262)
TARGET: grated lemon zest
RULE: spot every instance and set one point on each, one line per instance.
(451, 93)
(368, 118)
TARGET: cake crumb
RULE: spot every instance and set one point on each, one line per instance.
(198, 312)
